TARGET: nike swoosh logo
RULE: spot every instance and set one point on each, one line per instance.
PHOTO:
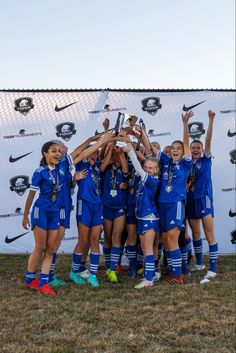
(232, 214)
(231, 134)
(185, 109)
(12, 160)
(10, 240)
(57, 109)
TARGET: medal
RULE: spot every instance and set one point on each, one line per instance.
(169, 188)
(54, 197)
(113, 193)
(55, 184)
(131, 191)
(193, 188)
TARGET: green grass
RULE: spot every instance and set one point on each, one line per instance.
(116, 317)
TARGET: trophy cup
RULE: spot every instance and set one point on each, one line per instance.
(124, 123)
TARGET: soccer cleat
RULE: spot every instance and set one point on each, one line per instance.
(113, 277)
(156, 277)
(209, 275)
(107, 273)
(198, 268)
(56, 282)
(140, 271)
(33, 285)
(75, 277)
(172, 279)
(144, 283)
(118, 268)
(92, 279)
(46, 289)
(84, 274)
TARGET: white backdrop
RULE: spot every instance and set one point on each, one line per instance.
(30, 118)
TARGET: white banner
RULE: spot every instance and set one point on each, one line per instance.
(28, 119)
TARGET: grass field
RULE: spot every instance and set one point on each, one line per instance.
(116, 317)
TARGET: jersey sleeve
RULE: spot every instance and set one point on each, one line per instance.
(36, 180)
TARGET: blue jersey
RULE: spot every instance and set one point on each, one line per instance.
(112, 195)
(146, 197)
(43, 182)
(89, 188)
(180, 171)
(133, 185)
(66, 199)
(202, 184)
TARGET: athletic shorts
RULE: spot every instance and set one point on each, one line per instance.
(171, 215)
(45, 219)
(130, 217)
(111, 213)
(199, 208)
(145, 225)
(89, 214)
(64, 218)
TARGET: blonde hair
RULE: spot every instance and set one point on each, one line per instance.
(156, 164)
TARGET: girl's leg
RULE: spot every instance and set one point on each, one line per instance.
(132, 247)
(107, 227)
(208, 226)
(173, 254)
(94, 255)
(197, 244)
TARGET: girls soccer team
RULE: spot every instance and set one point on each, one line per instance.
(144, 191)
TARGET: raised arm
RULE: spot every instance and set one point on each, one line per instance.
(133, 157)
(208, 139)
(185, 119)
(106, 161)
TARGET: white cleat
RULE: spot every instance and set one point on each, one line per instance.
(156, 277)
(144, 283)
(198, 268)
(84, 274)
(208, 276)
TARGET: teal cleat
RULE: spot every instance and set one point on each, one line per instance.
(75, 277)
(56, 282)
(92, 279)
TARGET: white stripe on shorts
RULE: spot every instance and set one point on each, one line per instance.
(178, 212)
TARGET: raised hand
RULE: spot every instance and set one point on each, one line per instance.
(80, 175)
(26, 222)
(211, 114)
(187, 116)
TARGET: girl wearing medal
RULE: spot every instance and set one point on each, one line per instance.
(114, 199)
(171, 198)
(45, 214)
(146, 211)
(199, 206)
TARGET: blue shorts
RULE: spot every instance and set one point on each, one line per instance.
(171, 215)
(45, 219)
(145, 225)
(64, 218)
(112, 213)
(183, 225)
(89, 214)
(130, 217)
(199, 208)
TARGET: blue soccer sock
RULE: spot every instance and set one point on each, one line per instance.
(132, 256)
(115, 254)
(52, 268)
(188, 242)
(176, 262)
(198, 249)
(213, 255)
(140, 257)
(107, 256)
(76, 260)
(184, 255)
(121, 254)
(82, 266)
(160, 248)
(29, 277)
(168, 259)
(43, 279)
(149, 267)
(94, 262)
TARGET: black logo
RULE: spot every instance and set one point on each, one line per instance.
(233, 156)
(12, 160)
(19, 184)
(228, 111)
(233, 236)
(186, 109)
(231, 134)
(232, 214)
(18, 212)
(22, 134)
(151, 133)
(151, 105)
(10, 240)
(57, 109)
(65, 130)
(24, 105)
(196, 130)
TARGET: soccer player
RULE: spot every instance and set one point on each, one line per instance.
(200, 202)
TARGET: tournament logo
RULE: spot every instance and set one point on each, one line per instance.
(233, 237)
(233, 156)
(65, 130)
(196, 130)
(151, 133)
(18, 212)
(22, 133)
(151, 105)
(24, 105)
(19, 184)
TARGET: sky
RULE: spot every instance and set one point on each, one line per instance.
(161, 44)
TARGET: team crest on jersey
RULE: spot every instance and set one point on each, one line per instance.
(19, 184)
(233, 156)
(233, 237)
(23, 105)
(196, 130)
(151, 105)
(65, 130)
